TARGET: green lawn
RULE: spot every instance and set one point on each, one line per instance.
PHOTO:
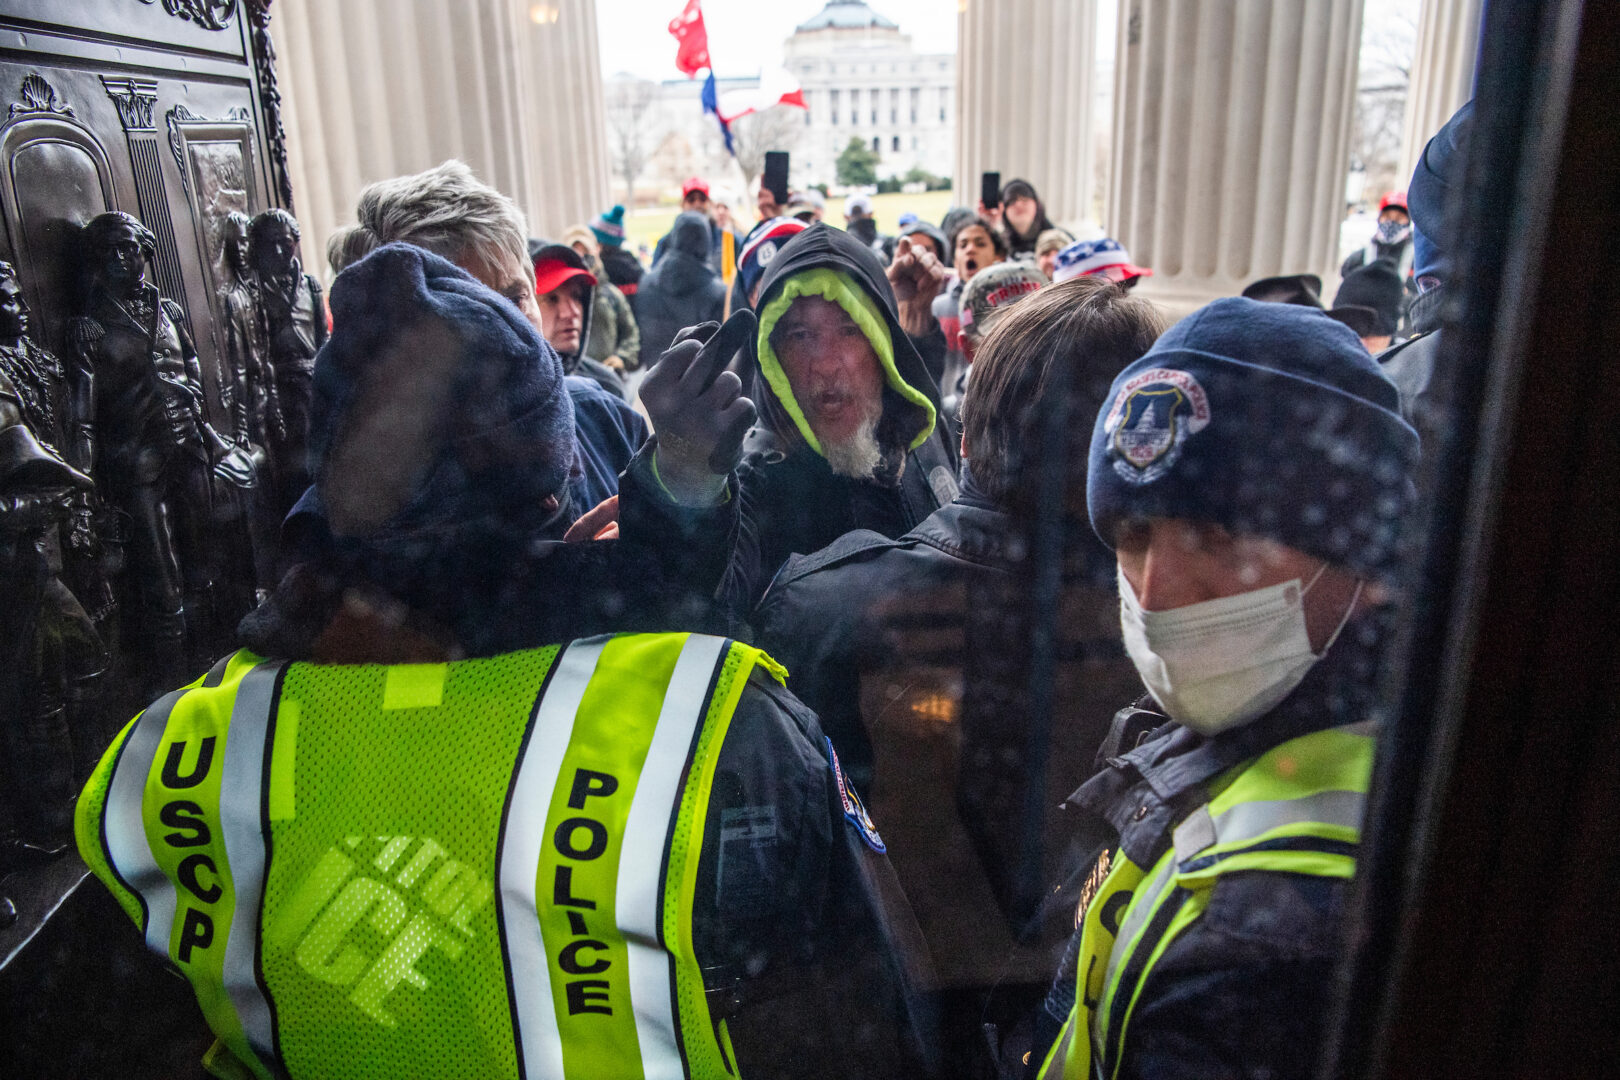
(647, 225)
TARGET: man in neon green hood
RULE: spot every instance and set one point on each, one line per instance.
(850, 434)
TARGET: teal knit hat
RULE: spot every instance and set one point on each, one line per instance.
(609, 227)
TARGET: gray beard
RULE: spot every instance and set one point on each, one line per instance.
(858, 456)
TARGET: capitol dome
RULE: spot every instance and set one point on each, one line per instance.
(846, 15)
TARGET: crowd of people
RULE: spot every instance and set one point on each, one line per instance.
(681, 668)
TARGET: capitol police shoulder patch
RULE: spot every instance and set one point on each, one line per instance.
(854, 810)
(1150, 420)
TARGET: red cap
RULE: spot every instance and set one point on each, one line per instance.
(1392, 198)
(696, 183)
(552, 274)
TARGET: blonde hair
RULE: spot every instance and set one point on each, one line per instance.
(446, 210)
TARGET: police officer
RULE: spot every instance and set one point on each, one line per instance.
(436, 822)
(1251, 472)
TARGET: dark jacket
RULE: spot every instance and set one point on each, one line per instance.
(613, 324)
(915, 653)
(1247, 990)
(865, 230)
(717, 240)
(787, 499)
(608, 432)
(682, 290)
(843, 616)
(623, 269)
(1410, 365)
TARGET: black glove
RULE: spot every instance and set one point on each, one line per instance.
(697, 407)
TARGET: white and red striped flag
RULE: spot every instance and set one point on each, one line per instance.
(776, 87)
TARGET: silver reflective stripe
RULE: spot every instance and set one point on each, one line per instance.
(641, 862)
(127, 846)
(1249, 820)
(1060, 1052)
(535, 1012)
(242, 788)
(1194, 834)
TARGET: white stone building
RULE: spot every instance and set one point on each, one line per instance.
(862, 79)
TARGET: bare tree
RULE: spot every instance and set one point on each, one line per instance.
(630, 122)
(776, 128)
(1388, 40)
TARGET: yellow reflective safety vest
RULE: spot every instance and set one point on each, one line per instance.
(1296, 809)
(484, 868)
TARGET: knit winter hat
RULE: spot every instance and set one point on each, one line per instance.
(1377, 287)
(435, 401)
(951, 224)
(576, 234)
(1267, 419)
(1101, 256)
(762, 246)
(1052, 240)
(933, 233)
(609, 227)
(992, 289)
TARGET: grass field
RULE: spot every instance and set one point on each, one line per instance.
(647, 225)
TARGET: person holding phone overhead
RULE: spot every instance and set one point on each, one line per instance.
(773, 190)
(1018, 212)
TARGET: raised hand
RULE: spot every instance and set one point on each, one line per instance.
(697, 408)
(916, 277)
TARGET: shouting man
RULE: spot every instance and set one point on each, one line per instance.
(848, 436)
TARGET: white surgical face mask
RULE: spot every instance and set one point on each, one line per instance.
(1221, 663)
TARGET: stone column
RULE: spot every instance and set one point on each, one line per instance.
(1231, 140)
(379, 88)
(566, 117)
(1442, 73)
(1024, 99)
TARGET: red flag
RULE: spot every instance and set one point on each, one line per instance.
(688, 28)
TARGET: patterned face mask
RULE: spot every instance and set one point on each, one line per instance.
(1393, 231)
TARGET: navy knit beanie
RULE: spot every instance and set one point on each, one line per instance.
(434, 401)
(1438, 173)
(1266, 419)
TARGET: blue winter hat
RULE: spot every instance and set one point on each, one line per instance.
(763, 244)
(434, 401)
(1267, 419)
(1437, 171)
